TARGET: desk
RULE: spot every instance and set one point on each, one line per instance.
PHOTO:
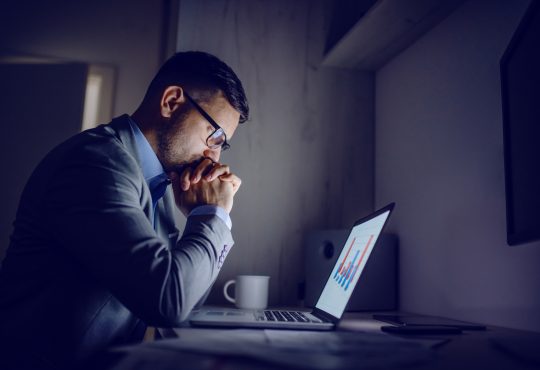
(470, 350)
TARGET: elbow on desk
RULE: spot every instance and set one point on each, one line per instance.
(164, 317)
(171, 309)
(175, 317)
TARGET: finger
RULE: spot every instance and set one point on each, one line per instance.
(200, 169)
(217, 171)
(235, 180)
(184, 179)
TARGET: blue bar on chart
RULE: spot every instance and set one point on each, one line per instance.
(347, 270)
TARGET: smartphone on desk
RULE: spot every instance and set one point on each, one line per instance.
(424, 329)
(419, 320)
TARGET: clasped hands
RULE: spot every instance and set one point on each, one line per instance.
(207, 183)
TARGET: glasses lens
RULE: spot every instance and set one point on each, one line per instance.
(217, 139)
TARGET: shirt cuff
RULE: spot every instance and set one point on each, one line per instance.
(213, 210)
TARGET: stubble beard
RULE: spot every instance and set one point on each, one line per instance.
(173, 145)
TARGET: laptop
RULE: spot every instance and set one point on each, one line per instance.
(334, 298)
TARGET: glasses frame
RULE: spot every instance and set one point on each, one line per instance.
(215, 125)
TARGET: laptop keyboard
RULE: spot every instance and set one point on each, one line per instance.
(290, 316)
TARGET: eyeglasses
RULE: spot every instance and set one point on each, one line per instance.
(218, 138)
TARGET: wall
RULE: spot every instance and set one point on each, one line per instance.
(306, 155)
(126, 35)
(439, 155)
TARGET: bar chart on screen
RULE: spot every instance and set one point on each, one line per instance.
(348, 268)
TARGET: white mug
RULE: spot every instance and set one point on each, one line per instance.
(250, 292)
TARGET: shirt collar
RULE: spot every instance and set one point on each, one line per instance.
(150, 164)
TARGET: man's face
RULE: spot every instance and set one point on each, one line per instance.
(182, 139)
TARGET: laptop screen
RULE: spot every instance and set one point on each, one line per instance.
(350, 264)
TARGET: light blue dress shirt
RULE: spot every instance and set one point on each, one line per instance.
(155, 175)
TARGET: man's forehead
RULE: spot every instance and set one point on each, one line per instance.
(217, 100)
(220, 104)
(219, 108)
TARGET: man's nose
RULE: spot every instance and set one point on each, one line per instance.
(213, 154)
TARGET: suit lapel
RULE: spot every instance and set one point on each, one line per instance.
(164, 219)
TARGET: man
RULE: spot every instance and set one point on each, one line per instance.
(94, 256)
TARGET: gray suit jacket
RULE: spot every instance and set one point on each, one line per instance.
(85, 264)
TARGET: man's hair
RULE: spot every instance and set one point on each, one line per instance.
(204, 74)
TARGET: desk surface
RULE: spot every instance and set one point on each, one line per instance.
(494, 348)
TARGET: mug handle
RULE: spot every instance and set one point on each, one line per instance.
(226, 294)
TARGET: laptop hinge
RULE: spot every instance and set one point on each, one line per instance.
(323, 316)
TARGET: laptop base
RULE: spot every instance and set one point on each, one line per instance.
(237, 318)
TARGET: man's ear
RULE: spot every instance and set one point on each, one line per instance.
(171, 100)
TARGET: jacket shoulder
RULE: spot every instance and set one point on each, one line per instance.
(101, 146)
(92, 156)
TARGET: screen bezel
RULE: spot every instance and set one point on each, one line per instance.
(388, 208)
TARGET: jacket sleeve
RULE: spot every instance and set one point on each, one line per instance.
(95, 207)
